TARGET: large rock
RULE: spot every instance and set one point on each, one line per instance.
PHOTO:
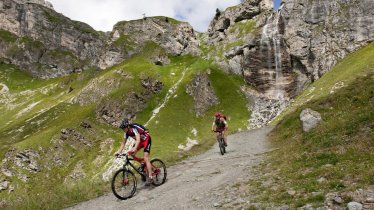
(309, 119)
(201, 90)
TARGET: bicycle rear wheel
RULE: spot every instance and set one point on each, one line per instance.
(158, 172)
(124, 184)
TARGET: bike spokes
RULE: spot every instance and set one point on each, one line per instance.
(124, 184)
(158, 172)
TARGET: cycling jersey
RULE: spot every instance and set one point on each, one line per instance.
(220, 123)
(136, 129)
(145, 138)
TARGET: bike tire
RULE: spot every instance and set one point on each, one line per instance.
(122, 188)
(159, 172)
(222, 146)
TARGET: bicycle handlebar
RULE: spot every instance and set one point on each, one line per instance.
(133, 157)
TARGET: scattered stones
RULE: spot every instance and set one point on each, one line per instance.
(74, 138)
(152, 85)
(338, 200)
(85, 125)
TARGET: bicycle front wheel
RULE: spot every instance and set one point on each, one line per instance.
(158, 172)
(124, 184)
(222, 146)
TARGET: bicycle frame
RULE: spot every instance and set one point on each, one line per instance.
(128, 162)
(220, 135)
(220, 140)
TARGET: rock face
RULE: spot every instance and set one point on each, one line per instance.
(319, 33)
(47, 44)
(279, 53)
(202, 92)
(114, 110)
(44, 42)
(129, 37)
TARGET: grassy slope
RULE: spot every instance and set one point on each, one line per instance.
(339, 151)
(40, 127)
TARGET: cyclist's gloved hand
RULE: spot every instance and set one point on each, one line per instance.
(130, 152)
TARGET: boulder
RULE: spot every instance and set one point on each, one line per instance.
(309, 119)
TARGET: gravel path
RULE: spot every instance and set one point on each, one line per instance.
(201, 182)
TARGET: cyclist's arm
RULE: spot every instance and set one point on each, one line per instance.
(213, 126)
(137, 139)
(123, 143)
(224, 122)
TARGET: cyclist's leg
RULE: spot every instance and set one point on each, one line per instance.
(224, 133)
(147, 150)
(217, 135)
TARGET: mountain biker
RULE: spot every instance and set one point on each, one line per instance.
(220, 124)
(143, 140)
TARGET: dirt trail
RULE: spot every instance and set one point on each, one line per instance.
(201, 182)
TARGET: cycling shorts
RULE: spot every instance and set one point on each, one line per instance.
(146, 144)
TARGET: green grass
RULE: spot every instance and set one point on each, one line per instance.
(125, 42)
(339, 149)
(7, 36)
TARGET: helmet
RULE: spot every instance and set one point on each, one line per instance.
(218, 114)
(124, 123)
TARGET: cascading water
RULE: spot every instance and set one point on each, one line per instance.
(274, 99)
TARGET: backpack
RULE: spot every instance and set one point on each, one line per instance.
(137, 125)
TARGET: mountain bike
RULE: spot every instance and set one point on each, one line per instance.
(221, 142)
(124, 181)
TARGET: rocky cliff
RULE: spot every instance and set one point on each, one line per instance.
(130, 37)
(279, 53)
(47, 44)
(43, 42)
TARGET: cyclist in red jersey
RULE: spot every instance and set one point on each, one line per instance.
(143, 140)
(220, 124)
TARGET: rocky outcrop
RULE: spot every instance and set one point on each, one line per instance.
(130, 37)
(44, 3)
(202, 92)
(44, 42)
(128, 106)
(247, 10)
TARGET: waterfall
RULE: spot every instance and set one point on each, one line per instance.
(269, 104)
(271, 42)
